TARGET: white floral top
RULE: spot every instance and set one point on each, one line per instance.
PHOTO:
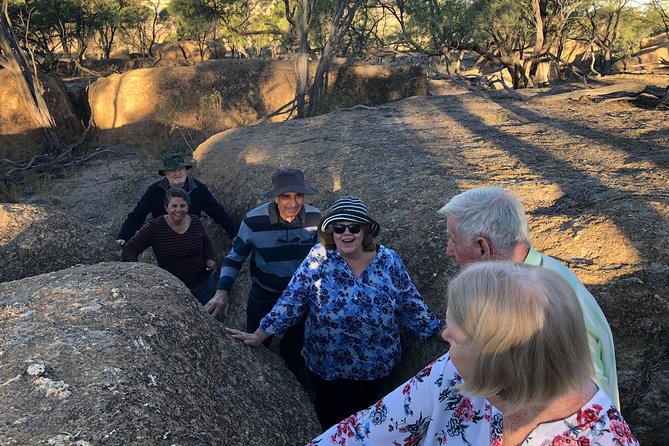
(428, 410)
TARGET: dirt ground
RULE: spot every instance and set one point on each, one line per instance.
(593, 175)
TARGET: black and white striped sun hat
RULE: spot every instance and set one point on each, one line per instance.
(350, 208)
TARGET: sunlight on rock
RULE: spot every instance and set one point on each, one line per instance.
(336, 179)
(256, 156)
(15, 218)
(660, 208)
(123, 99)
(584, 244)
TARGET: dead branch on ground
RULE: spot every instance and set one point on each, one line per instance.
(487, 83)
(664, 102)
(43, 164)
(628, 89)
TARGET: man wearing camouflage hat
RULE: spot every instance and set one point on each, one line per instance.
(175, 173)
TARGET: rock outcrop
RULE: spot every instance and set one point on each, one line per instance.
(586, 206)
(120, 354)
(36, 240)
(651, 58)
(165, 104)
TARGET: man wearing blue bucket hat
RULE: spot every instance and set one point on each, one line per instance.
(277, 235)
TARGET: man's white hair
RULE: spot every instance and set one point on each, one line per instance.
(489, 212)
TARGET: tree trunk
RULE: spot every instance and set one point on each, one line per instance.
(339, 27)
(30, 87)
(301, 64)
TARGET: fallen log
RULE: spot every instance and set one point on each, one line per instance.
(630, 88)
(664, 102)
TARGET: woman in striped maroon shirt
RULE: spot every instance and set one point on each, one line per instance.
(180, 244)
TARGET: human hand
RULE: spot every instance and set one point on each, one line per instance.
(120, 242)
(211, 265)
(254, 339)
(219, 305)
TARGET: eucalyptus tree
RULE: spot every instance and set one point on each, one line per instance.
(611, 29)
(49, 26)
(13, 59)
(196, 21)
(239, 23)
(121, 19)
(516, 34)
(144, 23)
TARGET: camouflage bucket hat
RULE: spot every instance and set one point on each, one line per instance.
(173, 161)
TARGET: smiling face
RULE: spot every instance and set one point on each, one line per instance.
(289, 204)
(347, 243)
(461, 346)
(176, 177)
(177, 209)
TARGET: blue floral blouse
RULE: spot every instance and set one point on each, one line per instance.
(429, 410)
(352, 330)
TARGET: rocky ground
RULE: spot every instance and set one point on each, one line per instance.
(121, 353)
(593, 175)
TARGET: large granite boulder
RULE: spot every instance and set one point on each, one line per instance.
(585, 204)
(36, 240)
(121, 353)
(164, 105)
(653, 58)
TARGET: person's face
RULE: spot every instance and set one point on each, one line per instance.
(176, 177)
(347, 242)
(461, 346)
(177, 209)
(289, 204)
(464, 252)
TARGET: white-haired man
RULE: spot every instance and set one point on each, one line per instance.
(490, 224)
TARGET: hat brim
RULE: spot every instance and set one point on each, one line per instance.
(296, 188)
(161, 172)
(375, 226)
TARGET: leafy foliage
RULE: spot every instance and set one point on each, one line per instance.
(516, 34)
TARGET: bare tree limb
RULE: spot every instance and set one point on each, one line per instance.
(279, 111)
(629, 88)
(42, 164)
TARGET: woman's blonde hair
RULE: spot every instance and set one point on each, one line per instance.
(529, 342)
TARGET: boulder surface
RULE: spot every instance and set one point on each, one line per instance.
(164, 105)
(121, 353)
(580, 186)
(36, 240)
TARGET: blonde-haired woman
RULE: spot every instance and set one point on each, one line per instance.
(518, 372)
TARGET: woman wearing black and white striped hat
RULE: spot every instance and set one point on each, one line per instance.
(356, 294)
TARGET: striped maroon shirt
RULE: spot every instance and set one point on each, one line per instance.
(183, 255)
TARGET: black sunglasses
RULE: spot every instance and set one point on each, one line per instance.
(340, 228)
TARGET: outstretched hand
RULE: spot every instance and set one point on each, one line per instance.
(254, 339)
(219, 305)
